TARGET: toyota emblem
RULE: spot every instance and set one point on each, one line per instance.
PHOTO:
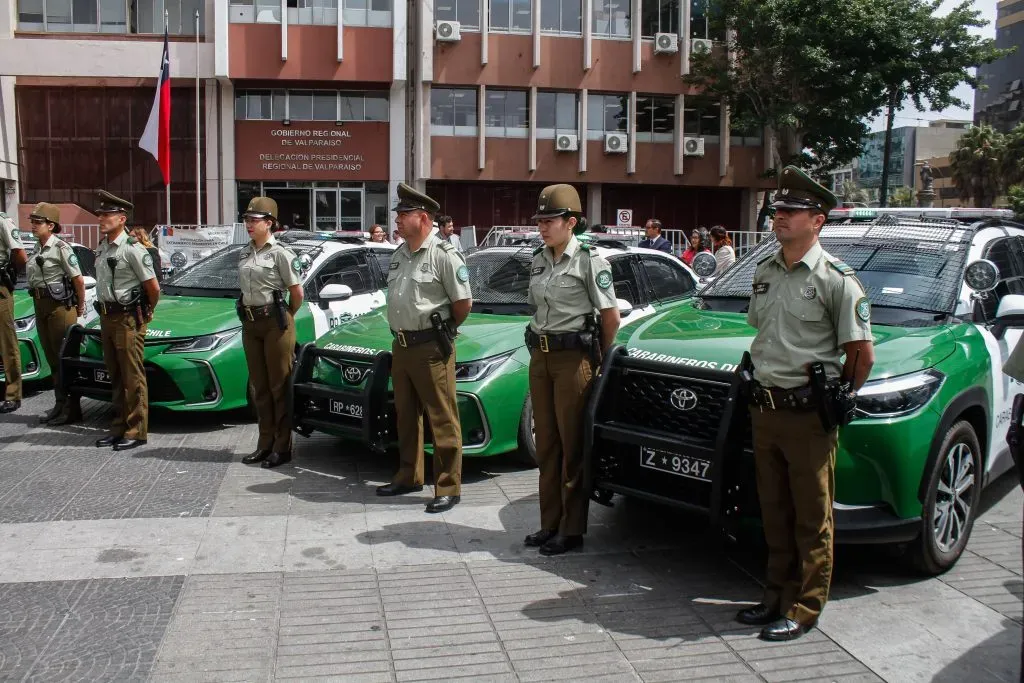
(683, 399)
(353, 374)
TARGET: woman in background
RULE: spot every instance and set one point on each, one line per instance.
(725, 255)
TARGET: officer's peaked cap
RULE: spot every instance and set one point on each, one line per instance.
(410, 199)
(798, 191)
(109, 203)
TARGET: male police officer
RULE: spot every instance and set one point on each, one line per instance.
(12, 262)
(428, 298)
(127, 291)
(808, 308)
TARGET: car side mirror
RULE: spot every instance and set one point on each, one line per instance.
(90, 281)
(625, 308)
(1009, 314)
(334, 292)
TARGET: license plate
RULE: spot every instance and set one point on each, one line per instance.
(346, 409)
(673, 463)
(101, 376)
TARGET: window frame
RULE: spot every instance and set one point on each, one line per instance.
(453, 129)
(676, 15)
(592, 132)
(441, 15)
(653, 291)
(544, 133)
(605, 9)
(313, 284)
(512, 12)
(561, 30)
(632, 263)
(653, 101)
(505, 130)
(287, 105)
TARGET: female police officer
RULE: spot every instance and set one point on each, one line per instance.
(568, 281)
(55, 281)
(266, 269)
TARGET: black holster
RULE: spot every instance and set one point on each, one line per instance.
(240, 309)
(834, 400)
(444, 335)
(280, 311)
(590, 339)
(1015, 436)
(9, 276)
(746, 372)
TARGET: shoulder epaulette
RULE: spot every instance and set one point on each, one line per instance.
(538, 250)
(841, 267)
(769, 256)
(447, 246)
(586, 247)
(132, 240)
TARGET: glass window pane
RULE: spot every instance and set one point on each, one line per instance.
(325, 106)
(380, 5)
(698, 19)
(351, 107)
(84, 13)
(710, 120)
(494, 109)
(572, 16)
(565, 117)
(58, 15)
(649, 18)
(500, 14)
(546, 109)
(444, 10)
(595, 113)
(240, 102)
(664, 117)
(300, 106)
(614, 113)
(522, 16)
(516, 109)
(468, 13)
(376, 107)
(618, 15)
(669, 16)
(30, 11)
(643, 114)
(549, 15)
(278, 102)
(441, 112)
(465, 107)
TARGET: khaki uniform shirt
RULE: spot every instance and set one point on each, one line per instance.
(10, 239)
(568, 290)
(133, 266)
(58, 261)
(261, 272)
(804, 315)
(425, 282)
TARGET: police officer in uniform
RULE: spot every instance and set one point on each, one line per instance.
(127, 291)
(568, 282)
(428, 298)
(808, 307)
(266, 270)
(12, 262)
(58, 295)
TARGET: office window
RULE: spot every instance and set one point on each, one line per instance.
(511, 15)
(30, 15)
(506, 114)
(561, 16)
(147, 16)
(655, 118)
(453, 111)
(376, 108)
(257, 105)
(746, 136)
(611, 18)
(659, 16)
(74, 16)
(325, 106)
(557, 113)
(306, 105)
(466, 12)
(367, 13)
(702, 118)
(701, 19)
(606, 114)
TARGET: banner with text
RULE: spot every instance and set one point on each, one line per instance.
(181, 248)
(311, 150)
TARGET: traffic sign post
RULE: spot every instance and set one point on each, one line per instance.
(624, 218)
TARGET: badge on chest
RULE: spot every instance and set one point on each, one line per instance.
(760, 288)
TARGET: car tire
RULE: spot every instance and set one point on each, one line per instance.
(527, 453)
(951, 502)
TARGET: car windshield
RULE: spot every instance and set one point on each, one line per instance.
(500, 277)
(217, 274)
(911, 266)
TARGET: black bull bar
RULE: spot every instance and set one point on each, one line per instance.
(360, 410)
(77, 375)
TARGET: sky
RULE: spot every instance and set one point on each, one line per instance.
(909, 116)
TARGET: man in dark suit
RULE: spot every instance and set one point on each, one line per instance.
(654, 239)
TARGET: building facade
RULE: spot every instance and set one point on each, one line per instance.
(1000, 103)
(326, 105)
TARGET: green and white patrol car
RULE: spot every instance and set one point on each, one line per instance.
(946, 286)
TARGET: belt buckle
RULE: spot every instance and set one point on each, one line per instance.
(401, 339)
(249, 315)
(544, 343)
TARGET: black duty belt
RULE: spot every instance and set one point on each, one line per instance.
(253, 313)
(774, 398)
(111, 308)
(553, 342)
(407, 338)
(40, 293)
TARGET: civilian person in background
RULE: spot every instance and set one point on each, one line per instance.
(141, 236)
(725, 255)
(654, 239)
(447, 232)
(396, 239)
(377, 233)
(692, 248)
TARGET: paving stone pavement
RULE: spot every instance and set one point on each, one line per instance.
(175, 562)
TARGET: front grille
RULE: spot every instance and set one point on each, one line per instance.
(643, 400)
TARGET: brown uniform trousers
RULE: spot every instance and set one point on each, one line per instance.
(558, 389)
(53, 320)
(422, 380)
(123, 354)
(9, 349)
(269, 354)
(795, 462)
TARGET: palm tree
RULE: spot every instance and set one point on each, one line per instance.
(1013, 156)
(854, 193)
(902, 196)
(977, 165)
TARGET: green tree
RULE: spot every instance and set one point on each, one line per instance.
(902, 196)
(976, 165)
(1016, 197)
(1013, 157)
(852, 192)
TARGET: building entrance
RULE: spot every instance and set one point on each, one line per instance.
(321, 205)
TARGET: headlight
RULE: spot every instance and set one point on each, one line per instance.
(24, 324)
(476, 370)
(898, 395)
(208, 342)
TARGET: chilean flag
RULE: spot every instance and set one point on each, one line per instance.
(156, 139)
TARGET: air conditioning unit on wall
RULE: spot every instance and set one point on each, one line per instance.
(666, 43)
(700, 46)
(448, 31)
(615, 143)
(567, 143)
(693, 147)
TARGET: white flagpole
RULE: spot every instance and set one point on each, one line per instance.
(199, 161)
(167, 187)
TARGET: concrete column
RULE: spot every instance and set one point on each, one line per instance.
(677, 135)
(588, 36)
(535, 25)
(684, 36)
(583, 131)
(636, 14)
(396, 145)
(284, 30)
(481, 130)
(9, 190)
(594, 203)
(532, 144)
(341, 30)
(8, 18)
(485, 30)
(749, 207)
(631, 134)
(724, 141)
(213, 160)
(224, 161)
(219, 26)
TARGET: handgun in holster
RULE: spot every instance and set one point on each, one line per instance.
(240, 309)
(279, 310)
(9, 275)
(745, 370)
(590, 339)
(1015, 436)
(823, 398)
(444, 335)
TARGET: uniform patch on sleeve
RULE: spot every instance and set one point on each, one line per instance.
(604, 279)
(297, 264)
(760, 288)
(14, 234)
(864, 309)
(462, 273)
(147, 260)
(72, 259)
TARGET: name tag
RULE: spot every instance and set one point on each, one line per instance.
(394, 265)
(537, 271)
(760, 287)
